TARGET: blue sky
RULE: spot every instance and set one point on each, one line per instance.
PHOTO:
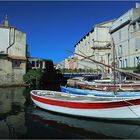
(54, 26)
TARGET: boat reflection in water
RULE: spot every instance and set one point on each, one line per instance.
(85, 127)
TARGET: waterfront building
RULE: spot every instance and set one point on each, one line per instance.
(126, 35)
(95, 45)
(36, 63)
(12, 54)
(60, 65)
(70, 63)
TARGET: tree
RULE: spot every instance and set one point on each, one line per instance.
(33, 77)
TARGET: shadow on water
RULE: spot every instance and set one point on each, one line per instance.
(20, 119)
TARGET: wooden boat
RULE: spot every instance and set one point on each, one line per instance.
(109, 86)
(85, 106)
(88, 128)
(73, 81)
(98, 93)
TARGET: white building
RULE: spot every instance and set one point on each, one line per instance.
(36, 63)
(95, 45)
(12, 54)
(126, 35)
(60, 65)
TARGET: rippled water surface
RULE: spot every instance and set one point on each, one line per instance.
(19, 118)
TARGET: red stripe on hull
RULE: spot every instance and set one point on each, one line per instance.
(79, 105)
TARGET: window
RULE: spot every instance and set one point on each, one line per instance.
(33, 63)
(120, 50)
(84, 42)
(136, 61)
(125, 63)
(120, 35)
(37, 63)
(120, 64)
(137, 44)
(134, 27)
(139, 24)
(16, 64)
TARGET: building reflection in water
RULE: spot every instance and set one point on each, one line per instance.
(12, 120)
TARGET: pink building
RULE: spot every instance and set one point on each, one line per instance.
(70, 63)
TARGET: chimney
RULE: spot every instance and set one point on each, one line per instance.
(5, 22)
(137, 5)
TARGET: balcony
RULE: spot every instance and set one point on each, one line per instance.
(100, 48)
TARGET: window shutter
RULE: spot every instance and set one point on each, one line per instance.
(137, 44)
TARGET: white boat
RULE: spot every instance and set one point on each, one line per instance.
(88, 106)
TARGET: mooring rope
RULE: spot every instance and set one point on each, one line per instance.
(130, 107)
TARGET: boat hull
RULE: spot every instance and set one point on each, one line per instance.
(98, 93)
(110, 87)
(117, 110)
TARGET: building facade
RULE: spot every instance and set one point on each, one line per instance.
(126, 35)
(70, 63)
(12, 54)
(36, 63)
(60, 65)
(95, 45)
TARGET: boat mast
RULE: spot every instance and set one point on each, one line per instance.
(114, 66)
(95, 61)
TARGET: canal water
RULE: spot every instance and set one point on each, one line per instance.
(20, 119)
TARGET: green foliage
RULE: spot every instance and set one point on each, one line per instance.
(130, 68)
(33, 77)
(138, 67)
(78, 70)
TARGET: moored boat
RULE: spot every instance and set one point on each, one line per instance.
(73, 81)
(85, 106)
(132, 86)
(98, 93)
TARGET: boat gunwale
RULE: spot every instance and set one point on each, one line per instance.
(71, 96)
(100, 91)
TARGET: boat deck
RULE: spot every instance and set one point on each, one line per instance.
(78, 98)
